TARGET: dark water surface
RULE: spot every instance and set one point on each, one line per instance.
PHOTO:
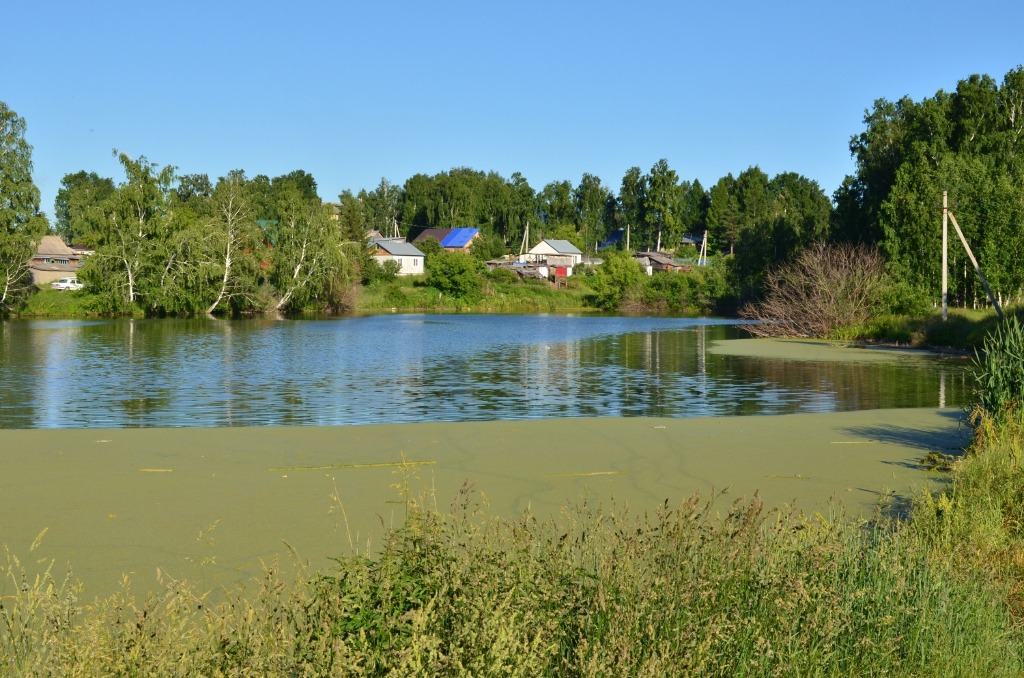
(406, 368)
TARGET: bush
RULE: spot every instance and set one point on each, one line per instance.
(456, 274)
(373, 271)
(503, 276)
(617, 281)
(826, 288)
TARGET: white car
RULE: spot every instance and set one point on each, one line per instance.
(66, 284)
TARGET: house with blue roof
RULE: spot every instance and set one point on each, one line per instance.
(459, 239)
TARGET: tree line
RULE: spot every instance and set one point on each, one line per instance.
(185, 244)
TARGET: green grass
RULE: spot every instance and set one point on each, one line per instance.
(409, 294)
(963, 329)
(49, 303)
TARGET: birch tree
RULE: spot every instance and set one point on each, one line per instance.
(235, 237)
(21, 224)
(309, 265)
(134, 234)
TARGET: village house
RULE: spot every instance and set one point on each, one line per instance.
(451, 239)
(660, 261)
(53, 260)
(410, 260)
(558, 255)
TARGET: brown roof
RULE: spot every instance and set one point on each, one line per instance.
(437, 234)
(53, 246)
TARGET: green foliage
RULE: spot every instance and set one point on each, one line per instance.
(618, 281)
(503, 276)
(776, 219)
(488, 246)
(135, 236)
(21, 224)
(466, 197)
(78, 207)
(456, 274)
(967, 142)
(999, 372)
(310, 269)
(431, 249)
(374, 272)
(44, 302)
(899, 297)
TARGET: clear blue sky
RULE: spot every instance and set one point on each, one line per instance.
(352, 92)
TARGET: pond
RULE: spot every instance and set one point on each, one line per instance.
(427, 368)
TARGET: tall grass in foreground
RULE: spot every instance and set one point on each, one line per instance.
(600, 591)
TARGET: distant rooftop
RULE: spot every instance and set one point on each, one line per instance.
(459, 237)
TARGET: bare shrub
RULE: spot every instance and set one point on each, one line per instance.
(825, 288)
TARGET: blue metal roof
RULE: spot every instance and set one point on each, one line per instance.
(459, 237)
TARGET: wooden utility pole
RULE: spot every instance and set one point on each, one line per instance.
(977, 268)
(945, 265)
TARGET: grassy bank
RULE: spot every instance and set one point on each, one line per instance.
(964, 329)
(48, 303)
(496, 295)
(703, 587)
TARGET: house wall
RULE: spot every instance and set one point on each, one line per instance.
(47, 277)
(408, 265)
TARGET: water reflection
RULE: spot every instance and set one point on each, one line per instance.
(259, 372)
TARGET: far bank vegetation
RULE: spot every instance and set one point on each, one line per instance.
(173, 244)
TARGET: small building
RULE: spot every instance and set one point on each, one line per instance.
(410, 260)
(523, 270)
(554, 253)
(660, 261)
(53, 260)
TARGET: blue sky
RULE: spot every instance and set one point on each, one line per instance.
(353, 92)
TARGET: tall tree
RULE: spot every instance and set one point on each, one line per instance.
(522, 209)
(135, 236)
(383, 207)
(723, 215)
(632, 201)
(556, 205)
(309, 266)
(234, 238)
(353, 220)
(21, 224)
(663, 205)
(77, 210)
(589, 199)
(302, 181)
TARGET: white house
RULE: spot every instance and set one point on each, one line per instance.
(410, 259)
(555, 253)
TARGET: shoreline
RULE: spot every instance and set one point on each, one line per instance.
(210, 505)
